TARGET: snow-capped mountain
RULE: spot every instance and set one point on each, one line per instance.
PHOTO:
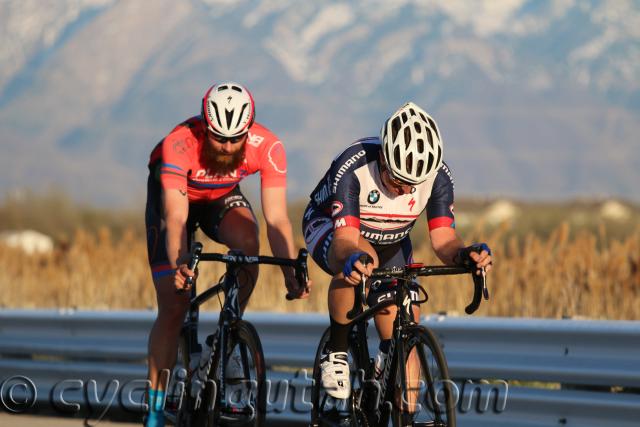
(534, 99)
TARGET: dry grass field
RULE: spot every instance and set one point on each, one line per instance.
(550, 261)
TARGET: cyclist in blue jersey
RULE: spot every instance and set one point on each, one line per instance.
(367, 203)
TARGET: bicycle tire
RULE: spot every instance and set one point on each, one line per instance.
(183, 414)
(429, 396)
(325, 410)
(213, 412)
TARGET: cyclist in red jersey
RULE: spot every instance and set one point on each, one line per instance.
(193, 183)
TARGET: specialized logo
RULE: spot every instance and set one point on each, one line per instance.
(374, 196)
(411, 203)
(229, 98)
(336, 208)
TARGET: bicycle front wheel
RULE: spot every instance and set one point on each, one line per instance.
(327, 411)
(243, 401)
(424, 394)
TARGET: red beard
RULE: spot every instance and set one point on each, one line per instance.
(223, 164)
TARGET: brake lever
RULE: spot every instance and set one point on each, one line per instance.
(302, 271)
(361, 296)
(196, 251)
(485, 289)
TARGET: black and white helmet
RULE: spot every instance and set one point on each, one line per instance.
(411, 144)
(228, 109)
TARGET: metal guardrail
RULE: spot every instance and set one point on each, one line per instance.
(540, 372)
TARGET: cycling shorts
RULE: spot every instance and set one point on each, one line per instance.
(206, 216)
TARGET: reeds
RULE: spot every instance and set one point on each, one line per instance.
(569, 273)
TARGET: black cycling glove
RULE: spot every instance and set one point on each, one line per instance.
(463, 259)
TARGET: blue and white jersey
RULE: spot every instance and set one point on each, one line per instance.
(352, 194)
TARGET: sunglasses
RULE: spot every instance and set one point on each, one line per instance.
(224, 139)
(396, 183)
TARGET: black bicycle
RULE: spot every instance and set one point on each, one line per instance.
(414, 388)
(201, 394)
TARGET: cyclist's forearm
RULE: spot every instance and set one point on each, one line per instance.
(280, 238)
(341, 250)
(176, 211)
(177, 251)
(445, 243)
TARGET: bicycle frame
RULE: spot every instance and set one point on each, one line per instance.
(229, 285)
(404, 316)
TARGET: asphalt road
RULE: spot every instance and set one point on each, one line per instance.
(21, 420)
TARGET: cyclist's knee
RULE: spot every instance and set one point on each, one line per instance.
(171, 315)
(170, 303)
(244, 239)
(251, 244)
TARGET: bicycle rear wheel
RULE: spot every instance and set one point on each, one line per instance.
(244, 402)
(426, 395)
(327, 411)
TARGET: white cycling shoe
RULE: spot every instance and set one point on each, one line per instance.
(335, 374)
(234, 369)
(237, 388)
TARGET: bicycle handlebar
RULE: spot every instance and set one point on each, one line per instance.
(237, 258)
(480, 289)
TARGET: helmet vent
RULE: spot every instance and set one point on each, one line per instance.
(404, 117)
(395, 128)
(244, 107)
(430, 162)
(396, 155)
(430, 138)
(420, 143)
(419, 167)
(223, 87)
(407, 138)
(229, 116)
(409, 162)
(217, 115)
(236, 88)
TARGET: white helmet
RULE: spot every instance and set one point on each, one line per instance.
(228, 109)
(411, 144)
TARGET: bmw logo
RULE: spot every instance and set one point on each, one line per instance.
(374, 196)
